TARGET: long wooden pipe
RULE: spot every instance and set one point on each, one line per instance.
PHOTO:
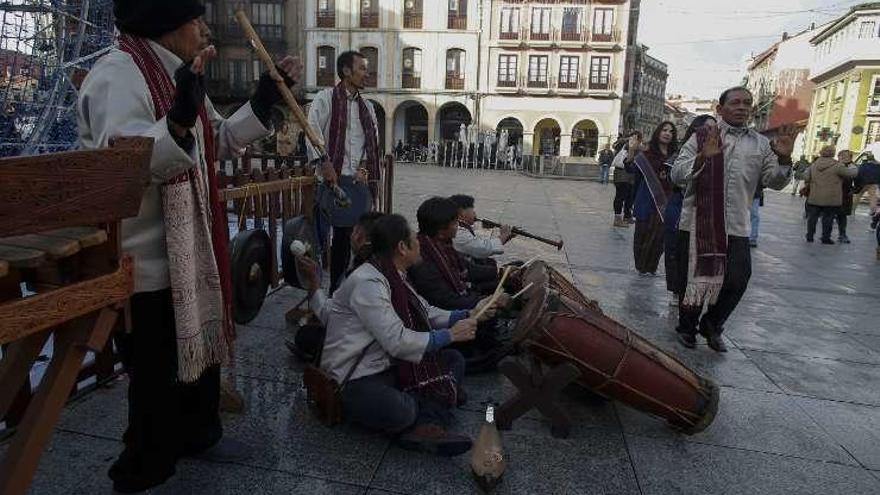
(286, 93)
(518, 231)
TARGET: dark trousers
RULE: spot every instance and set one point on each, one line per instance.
(648, 244)
(166, 418)
(827, 213)
(375, 402)
(623, 199)
(672, 261)
(841, 222)
(736, 280)
(340, 255)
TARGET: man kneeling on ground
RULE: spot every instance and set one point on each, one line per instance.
(392, 343)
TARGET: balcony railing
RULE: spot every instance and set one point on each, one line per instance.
(457, 21)
(411, 81)
(454, 82)
(369, 20)
(535, 83)
(568, 84)
(412, 20)
(612, 37)
(506, 84)
(508, 35)
(326, 79)
(570, 36)
(326, 19)
(539, 36)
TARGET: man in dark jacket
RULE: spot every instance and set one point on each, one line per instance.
(445, 278)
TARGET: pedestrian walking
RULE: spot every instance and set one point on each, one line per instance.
(606, 157)
(755, 215)
(866, 183)
(799, 168)
(671, 257)
(652, 187)
(824, 198)
(847, 190)
(720, 170)
(623, 185)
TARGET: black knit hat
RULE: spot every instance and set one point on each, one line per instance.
(153, 18)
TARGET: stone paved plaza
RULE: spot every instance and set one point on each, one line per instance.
(800, 387)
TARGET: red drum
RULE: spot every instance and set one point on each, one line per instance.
(614, 361)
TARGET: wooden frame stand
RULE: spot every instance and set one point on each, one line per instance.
(536, 390)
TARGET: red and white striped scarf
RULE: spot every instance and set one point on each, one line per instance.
(195, 236)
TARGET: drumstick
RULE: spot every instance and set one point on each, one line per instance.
(495, 295)
(523, 291)
(527, 263)
(289, 99)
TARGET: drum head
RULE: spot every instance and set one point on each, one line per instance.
(296, 229)
(535, 301)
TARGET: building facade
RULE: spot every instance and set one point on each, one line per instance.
(779, 80)
(231, 77)
(846, 71)
(548, 72)
(648, 95)
(422, 55)
(553, 73)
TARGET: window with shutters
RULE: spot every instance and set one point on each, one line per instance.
(457, 18)
(600, 72)
(568, 72)
(411, 76)
(509, 23)
(372, 58)
(571, 24)
(455, 67)
(540, 29)
(538, 71)
(412, 14)
(603, 24)
(507, 65)
(326, 66)
(326, 15)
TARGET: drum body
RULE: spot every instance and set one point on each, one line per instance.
(614, 361)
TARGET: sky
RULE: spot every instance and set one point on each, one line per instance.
(707, 44)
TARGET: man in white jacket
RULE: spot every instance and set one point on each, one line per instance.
(152, 85)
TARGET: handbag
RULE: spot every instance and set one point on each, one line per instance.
(323, 392)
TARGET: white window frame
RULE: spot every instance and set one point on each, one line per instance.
(606, 26)
(543, 20)
(536, 67)
(510, 19)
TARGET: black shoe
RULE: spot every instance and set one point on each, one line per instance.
(435, 439)
(716, 343)
(827, 241)
(809, 239)
(843, 240)
(686, 339)
(132, 474)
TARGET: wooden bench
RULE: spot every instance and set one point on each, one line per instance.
(59, 237)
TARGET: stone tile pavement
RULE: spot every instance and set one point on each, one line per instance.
(800, 397)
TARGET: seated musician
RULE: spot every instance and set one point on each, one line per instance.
(467, 242)
(392, 345)
(444, 277)
(152, 84)
(310, 337)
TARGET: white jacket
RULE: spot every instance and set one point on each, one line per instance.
(359, 314)
(114, 101)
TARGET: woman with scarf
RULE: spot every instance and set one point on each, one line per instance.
(671, 216)
(652, 186)
(152, 84)
(387, 347)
